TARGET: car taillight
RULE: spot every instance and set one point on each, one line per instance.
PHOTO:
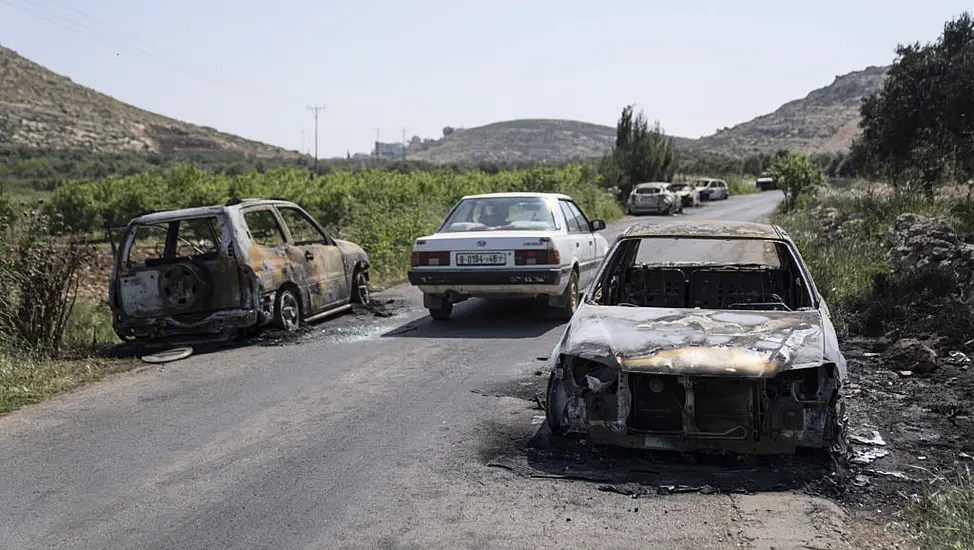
(431, 258)
(547, 256)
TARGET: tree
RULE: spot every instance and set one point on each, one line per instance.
(797, 176)
(918, 128)
(448, 131)
(640, 154)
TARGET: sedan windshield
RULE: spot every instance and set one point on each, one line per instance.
(500, 214)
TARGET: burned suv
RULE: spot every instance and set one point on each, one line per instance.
(707, 335)
(213, 273)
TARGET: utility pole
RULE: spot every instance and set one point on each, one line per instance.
(404, 143)
(314, 109)
(376, 144)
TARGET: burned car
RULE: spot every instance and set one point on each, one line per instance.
(701, 336)
(215, 272)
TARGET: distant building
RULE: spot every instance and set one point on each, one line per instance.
(389, 150)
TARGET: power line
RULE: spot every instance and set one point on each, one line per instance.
(315, 109)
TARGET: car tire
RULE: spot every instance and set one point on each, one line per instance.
(287, 310)
(567, 311)
(443, 312)
(556, 405)
(361, 293)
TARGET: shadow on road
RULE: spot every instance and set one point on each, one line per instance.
(481, 319)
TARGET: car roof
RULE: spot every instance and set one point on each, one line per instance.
(705, 228)
(653, 184)
(518, 195)
(204, 211)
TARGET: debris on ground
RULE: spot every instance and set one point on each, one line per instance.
(168, 356)
(867, 455)
(870, 438)
(910, 355)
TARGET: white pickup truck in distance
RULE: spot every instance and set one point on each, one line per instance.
(508, 245)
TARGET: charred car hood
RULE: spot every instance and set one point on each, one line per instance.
(754, 344)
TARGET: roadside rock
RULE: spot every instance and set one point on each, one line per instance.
(833, 223)
(924, 245)
(909, 354)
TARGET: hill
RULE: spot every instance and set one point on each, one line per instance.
(42, 109)
(826, 120)
(523, 140)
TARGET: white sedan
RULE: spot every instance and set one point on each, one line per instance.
(509, 245)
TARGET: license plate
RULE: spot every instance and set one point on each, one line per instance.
(481, 258)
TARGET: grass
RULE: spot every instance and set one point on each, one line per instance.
(945, 518)
(26, 379)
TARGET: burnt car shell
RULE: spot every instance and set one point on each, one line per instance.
(219, 294)
(695, 378)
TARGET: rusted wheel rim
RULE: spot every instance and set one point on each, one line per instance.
(363, 293)
(290, 312)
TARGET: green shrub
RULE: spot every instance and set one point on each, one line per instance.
(384, 211)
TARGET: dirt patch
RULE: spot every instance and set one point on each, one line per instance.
(923, 419)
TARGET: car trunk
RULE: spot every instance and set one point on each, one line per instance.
(167, 284)
(482, 250)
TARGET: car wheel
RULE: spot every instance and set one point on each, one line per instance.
(571, 298)
(556, 405)
(443, 312)
(837, 428)
(287, 310)
(361, 294)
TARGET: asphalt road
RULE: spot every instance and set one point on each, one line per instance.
(367, 432)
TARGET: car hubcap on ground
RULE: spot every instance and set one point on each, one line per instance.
(289, 311)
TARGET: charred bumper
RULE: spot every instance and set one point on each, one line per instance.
(498, 277)
(208, 326)
(674, 412)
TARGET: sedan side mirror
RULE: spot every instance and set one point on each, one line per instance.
(597, 225)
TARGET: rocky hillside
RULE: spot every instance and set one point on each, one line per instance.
(39, 108)
(524, 140)
(826, 120)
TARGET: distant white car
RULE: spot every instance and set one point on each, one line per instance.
(654, 197)
(508, 245)
(711, 189)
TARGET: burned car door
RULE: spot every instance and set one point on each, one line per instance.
(268, 255)
(319, 256)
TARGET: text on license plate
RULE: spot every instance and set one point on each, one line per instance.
(481, 258)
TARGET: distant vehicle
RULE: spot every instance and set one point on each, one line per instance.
(214, 272)
(711, 189)
(701, 335)
(653, 197)
(765, 183)
(508, 245)
(688, 194)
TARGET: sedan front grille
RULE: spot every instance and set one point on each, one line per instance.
(692, 407)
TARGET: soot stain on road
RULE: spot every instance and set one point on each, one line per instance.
(531, 451)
